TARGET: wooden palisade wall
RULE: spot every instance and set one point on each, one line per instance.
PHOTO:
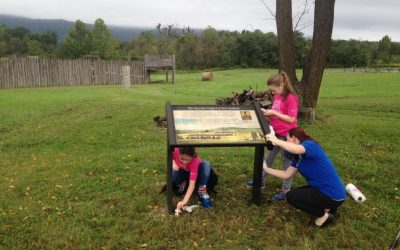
(36, 72)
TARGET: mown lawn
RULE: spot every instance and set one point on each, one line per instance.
(81, 168)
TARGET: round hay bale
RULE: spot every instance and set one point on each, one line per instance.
(206, 76)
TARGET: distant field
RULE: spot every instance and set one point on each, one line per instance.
(82, 167)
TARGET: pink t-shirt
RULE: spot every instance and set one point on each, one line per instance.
(288, 107)
(192, 166)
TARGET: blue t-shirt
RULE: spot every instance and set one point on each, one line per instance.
(319, 171)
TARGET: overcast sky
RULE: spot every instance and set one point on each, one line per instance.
(356, 19)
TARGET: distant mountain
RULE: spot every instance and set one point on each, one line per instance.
(61, 27)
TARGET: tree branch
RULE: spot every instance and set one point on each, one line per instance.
(304, 26)
(301, 14)
(268, 8)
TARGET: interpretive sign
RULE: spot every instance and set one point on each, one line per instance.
(217, 126)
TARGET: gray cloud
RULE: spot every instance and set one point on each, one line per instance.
(367, 20)
(357, 19)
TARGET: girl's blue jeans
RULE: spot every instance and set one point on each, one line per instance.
(202, 177)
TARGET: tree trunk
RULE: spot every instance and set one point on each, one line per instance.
(313, 69)
(284, 25)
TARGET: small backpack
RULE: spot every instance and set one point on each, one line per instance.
(212, 181)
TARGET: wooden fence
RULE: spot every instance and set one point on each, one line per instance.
(36, 72)
(373, 70)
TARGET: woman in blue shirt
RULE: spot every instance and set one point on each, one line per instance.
(325, 191)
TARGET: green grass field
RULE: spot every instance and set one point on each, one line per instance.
(81, 168)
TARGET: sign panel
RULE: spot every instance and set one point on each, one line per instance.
(207, 124)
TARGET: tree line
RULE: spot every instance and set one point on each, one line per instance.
(194, 50)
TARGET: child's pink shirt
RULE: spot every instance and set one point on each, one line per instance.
(192, 166)
(288, 107)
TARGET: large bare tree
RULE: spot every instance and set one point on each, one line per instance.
(309, 84)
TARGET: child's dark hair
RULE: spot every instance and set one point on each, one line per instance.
(282, 77)
(190, 150)
(300, 134)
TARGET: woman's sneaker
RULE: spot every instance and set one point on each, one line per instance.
(280, 196)
(204, 197)
(249, 184)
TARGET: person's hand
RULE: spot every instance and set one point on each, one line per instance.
(265, 168)
(180, 205)
(268, 112)
(271, 137)
(265, 111)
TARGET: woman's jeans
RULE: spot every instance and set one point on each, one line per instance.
(202, 177)
(312, 201)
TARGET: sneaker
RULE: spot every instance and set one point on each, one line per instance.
(280, 196)
(204, 197)
(181, 189)
(250, 184)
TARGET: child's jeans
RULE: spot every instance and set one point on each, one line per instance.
(202, 177)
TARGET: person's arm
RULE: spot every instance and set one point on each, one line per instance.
(188, 194)
(293, 148)
(290, 113)
(175, 166)
(289, 172)
(176, 159)
(286, 118)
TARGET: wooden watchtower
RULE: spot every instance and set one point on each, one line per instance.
(165, 63)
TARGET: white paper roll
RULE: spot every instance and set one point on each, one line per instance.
(272, 130)
(355, 193)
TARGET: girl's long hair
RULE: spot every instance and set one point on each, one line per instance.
(300, 134)
(282, 77)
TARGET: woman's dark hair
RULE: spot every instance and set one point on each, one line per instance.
(300, 134)
(191, 151)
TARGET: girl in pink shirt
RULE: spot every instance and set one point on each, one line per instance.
(282, 118)
(188, 167)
